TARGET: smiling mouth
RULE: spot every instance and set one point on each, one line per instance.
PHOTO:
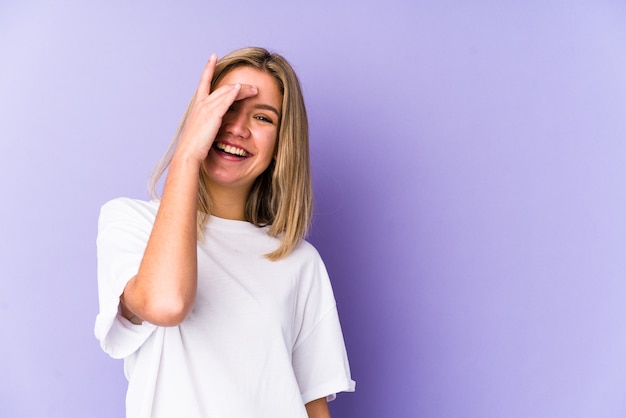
(230, 150)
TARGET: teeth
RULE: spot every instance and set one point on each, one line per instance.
(231, 150)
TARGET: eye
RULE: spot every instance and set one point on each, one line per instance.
(264, 118)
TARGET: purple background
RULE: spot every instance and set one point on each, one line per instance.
(469, 167)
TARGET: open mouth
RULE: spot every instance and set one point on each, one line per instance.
(231, 150)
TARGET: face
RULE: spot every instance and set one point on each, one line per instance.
(246, 142)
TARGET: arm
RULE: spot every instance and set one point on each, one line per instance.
(164, 290)
(318, 408)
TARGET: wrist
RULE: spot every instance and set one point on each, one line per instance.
(185, 160)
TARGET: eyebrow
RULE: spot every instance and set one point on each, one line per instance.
(267, 107)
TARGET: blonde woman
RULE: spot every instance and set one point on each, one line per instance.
(210, 294)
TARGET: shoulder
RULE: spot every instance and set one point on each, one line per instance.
(306, 259)
(305, 252)
(128, 205)
(125, 209)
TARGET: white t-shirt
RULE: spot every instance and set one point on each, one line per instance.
(262, 339)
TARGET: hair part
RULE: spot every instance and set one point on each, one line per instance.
(281, 197)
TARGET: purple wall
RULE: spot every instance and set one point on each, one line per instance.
(470, 178)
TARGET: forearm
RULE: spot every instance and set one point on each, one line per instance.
(318, 409)
(164, 289)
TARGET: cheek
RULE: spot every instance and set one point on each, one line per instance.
(270, 144)
(275, 148)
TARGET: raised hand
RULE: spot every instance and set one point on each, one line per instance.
(206, 112)
(164, 290)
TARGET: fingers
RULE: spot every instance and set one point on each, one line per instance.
(247, 90)
(224, 96)
(235, 92)
(221, 99)
(204, 88)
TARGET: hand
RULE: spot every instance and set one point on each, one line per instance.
(205, 115)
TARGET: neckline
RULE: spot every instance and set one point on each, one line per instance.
(232, 225)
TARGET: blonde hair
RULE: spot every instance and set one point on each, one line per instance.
(281, 197)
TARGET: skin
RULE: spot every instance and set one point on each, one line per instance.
(318, 409)
(243, 112)
(252, 125)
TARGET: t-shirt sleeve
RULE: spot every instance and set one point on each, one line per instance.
(319, 357)
(124, 227)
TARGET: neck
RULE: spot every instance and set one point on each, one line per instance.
(228, 203)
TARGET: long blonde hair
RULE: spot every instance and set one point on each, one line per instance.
(281, 197)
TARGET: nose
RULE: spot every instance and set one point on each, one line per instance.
(235, 123)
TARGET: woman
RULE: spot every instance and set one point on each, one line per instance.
(210, 294)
